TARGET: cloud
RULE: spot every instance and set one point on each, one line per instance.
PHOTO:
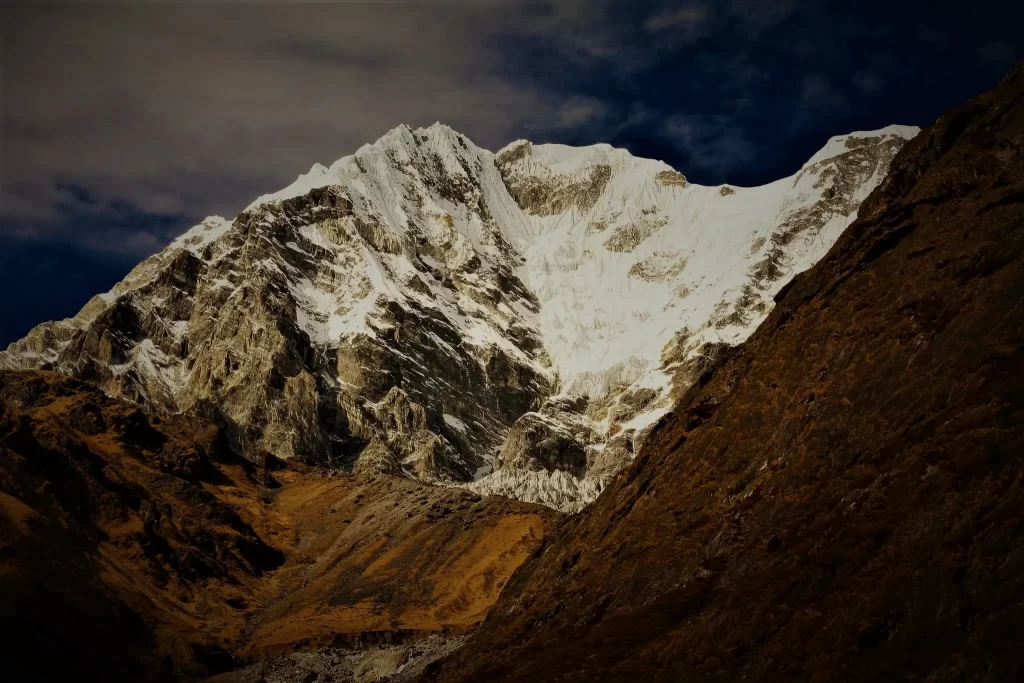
(689, 21)
(161, 113)
(867, 82)
(73, 213)
(748, 19)
(579, 30)
(818, 93)
(193, 109)
(762, 15)
(580, 111)
(710, 143)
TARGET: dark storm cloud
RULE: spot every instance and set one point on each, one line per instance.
(123, 124)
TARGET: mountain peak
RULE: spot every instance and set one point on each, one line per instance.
(840, 144)
(430, 309)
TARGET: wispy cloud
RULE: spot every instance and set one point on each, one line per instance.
(689, 21)
(761, 15)
(818, 92)
(581, 111)
(867, 82)
(709, 143)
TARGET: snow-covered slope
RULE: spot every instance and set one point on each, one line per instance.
(411, 308)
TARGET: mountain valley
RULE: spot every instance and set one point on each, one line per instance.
(145, 548)
(440, 414)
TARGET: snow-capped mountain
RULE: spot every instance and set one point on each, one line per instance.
(512, 322)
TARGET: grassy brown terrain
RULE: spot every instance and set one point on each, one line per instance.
(388, 555)
(842, 497)
(143, 548)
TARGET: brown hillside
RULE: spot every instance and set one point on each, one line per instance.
(143, 549)
(843, 499)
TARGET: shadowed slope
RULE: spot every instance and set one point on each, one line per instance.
(143, 549)
(843, 498)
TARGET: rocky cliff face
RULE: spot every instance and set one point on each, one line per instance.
(839, 498)
(409, 310)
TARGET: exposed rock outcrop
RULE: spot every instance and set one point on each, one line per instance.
(555, 438)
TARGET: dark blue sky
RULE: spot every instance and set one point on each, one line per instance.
(124, 124)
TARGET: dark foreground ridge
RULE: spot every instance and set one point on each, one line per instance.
(136, 548)
(843, 498)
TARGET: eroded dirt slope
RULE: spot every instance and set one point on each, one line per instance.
(843, 498)
(145, 549)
